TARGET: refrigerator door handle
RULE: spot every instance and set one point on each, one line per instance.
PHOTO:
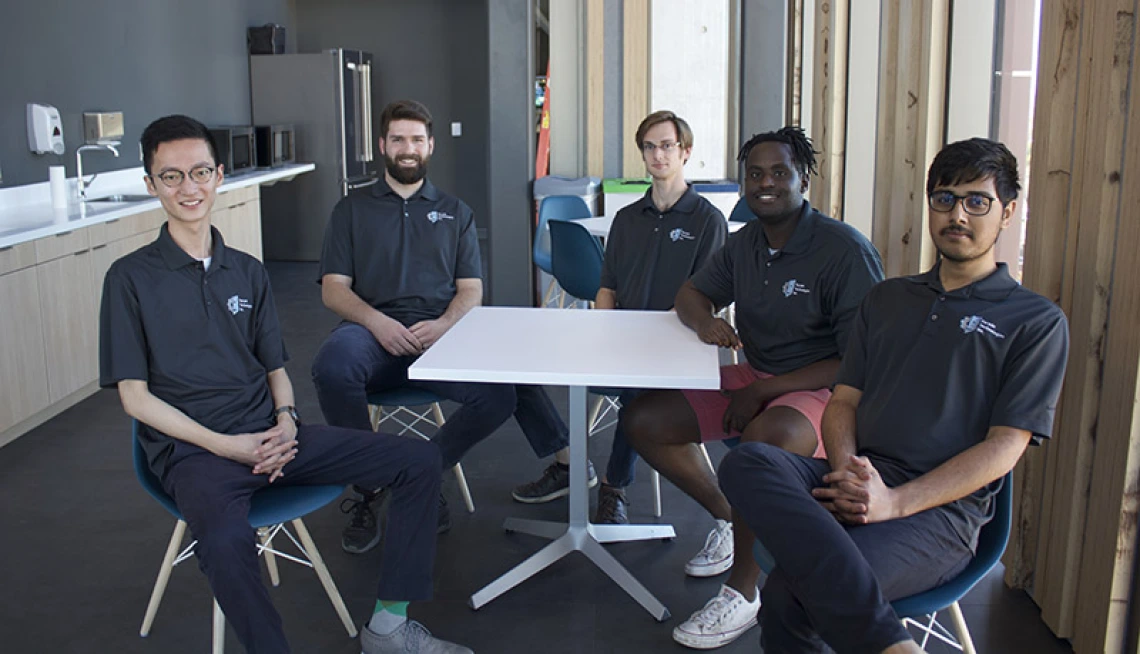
(357, 104)
(366, 114)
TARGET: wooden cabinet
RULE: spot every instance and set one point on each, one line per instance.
(70, 325)
(22, 373)
(237, 215)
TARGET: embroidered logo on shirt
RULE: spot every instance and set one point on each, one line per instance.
(977, 324)
(680, 235)
(436, 216)
(236, 304)
(792, 287)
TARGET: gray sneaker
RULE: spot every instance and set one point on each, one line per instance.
(412, 638)
(553, 484)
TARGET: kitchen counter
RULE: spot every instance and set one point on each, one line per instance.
(26, 213)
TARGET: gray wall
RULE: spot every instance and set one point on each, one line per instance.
(144, 58)
(434, 51)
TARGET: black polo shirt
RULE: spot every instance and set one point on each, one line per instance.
(403, 255)
(937, 369)
(794, 307)
(203, 341)
(650, 253)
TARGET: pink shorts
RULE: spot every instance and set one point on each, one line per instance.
(711, 405)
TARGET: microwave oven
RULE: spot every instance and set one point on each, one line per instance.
(275, 145)
(236, 147)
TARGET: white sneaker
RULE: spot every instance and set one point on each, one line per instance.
(716, 556)
(724, 619)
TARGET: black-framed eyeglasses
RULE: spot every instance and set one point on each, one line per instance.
(173, 178)
(975, 204)
(665, 146)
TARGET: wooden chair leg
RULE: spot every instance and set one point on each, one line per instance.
(270, 559)
(592, 420)
(961, 630)
(219, 641)
(549, 292)
(325, 577)
(708, 459)
(464, 490)
(164, 570)
(656, 481)
(375, 412)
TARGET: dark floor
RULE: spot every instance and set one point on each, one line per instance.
(80, 545)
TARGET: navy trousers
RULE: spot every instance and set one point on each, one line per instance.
(351, 364)
(213, 494)
(623, 458)
(832, 584)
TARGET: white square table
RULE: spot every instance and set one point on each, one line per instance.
(600, 225)
(624, 349)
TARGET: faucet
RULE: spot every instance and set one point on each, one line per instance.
(79, 183)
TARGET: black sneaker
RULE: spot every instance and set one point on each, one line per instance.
(553, 484)
(612, 507)
(362, 532)
(444, 522)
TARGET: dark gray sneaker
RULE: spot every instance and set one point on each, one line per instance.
(612, 507)
(553, 484)
(412, 637)
(362, 532)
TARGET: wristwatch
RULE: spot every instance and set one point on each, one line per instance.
(291, 410)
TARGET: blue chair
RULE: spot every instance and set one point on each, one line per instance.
(270, 508)
(741, 213)
(554, 207)
(992, 539)
(576, 259)
(398, 401)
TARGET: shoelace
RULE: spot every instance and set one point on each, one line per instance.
(361, 515)
(415, 634)
(711, 543)
(718, 606)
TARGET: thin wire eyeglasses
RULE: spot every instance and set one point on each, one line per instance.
(174, 178)
(665, 146)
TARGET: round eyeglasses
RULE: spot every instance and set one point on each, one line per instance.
(975, 204)
(665, 146)
(173, 178)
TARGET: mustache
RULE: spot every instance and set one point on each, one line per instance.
(954, 229)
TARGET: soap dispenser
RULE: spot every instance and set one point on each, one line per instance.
(45, 130)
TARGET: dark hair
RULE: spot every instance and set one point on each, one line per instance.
(973, 159)
(684, 132)
(803, 154)
(404, 110)
(173, 128)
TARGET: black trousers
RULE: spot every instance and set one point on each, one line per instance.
(213, 494)
(832, 584)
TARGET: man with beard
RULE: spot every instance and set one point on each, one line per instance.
(797, 277)
(947, 377)
(401, 266)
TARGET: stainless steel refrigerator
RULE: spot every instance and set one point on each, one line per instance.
(327, 97)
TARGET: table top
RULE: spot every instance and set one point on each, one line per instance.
(600, 225)
(574, 347)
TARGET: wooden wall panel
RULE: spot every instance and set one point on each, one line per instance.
(635, 84)
(829, 105)
(595, 87)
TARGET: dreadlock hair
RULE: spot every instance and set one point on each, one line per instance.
(803, 154)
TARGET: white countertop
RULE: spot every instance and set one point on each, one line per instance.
(575, 347)
(26, 212)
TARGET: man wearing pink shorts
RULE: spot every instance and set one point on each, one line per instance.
(797, 278)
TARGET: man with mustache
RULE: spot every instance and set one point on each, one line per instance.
(401, 266)
(796, 277)
(946, 379)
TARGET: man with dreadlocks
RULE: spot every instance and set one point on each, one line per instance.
(797, 278)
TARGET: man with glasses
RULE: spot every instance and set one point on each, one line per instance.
(946, 379)
(654, 245)
(796, 277)
(400, 266)
(190, 338)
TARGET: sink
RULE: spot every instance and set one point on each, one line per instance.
(123, 197)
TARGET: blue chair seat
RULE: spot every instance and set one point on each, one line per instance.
(403, 396)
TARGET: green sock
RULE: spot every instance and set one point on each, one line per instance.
(388, 616)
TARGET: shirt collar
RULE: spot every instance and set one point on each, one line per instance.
(801, 238)
(995, 286)
(175, 257)
(427, 190)
(687, 203)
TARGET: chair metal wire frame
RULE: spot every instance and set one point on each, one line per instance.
(433, 416)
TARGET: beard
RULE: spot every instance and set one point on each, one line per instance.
(967, 257)
(404, 174)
